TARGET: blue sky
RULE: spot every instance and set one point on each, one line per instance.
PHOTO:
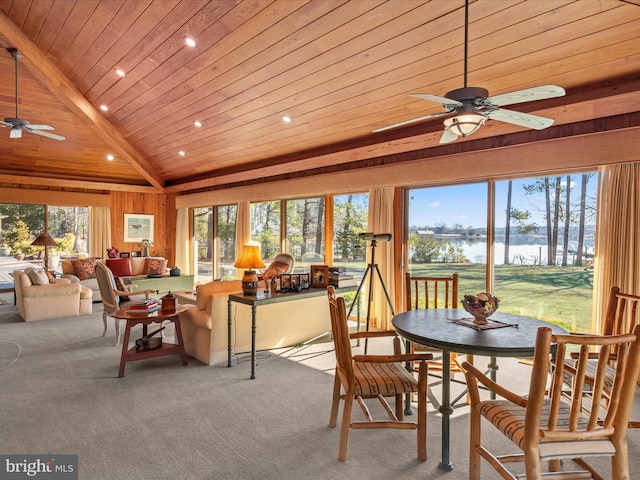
(467, 204)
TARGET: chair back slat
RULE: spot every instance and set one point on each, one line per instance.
(431, 292)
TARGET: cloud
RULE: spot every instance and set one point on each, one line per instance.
(434, 204)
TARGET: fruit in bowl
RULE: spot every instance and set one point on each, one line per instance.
(481, 306)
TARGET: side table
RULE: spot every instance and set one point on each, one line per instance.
(135, 318)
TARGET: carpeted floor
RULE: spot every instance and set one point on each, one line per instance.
(166, 421)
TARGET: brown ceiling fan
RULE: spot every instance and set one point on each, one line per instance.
(17, 124)
(473, 106)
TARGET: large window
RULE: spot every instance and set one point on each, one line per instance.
(214, 242)
(544, 230)
(265, 228)
(448, 233)
(545, 238)
(349, 220)
(304, 231)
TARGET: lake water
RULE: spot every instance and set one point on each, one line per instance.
(476, 252)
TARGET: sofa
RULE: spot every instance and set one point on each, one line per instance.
(205, 332)
(81, 270)
(39, 297)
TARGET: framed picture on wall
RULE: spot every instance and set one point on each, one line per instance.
(319, 276)
(138, 227)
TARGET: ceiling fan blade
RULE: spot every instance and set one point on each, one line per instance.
(15, 133)
(435, 98)
(526, 95)
(40, 127)
(5, 124)
(517, 118)
(407, 122)
(45, 134)
(448, 136)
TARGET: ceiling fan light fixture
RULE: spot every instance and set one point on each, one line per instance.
(464, 125)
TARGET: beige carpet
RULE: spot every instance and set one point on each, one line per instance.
(166, 421)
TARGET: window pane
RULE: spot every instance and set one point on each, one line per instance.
(69, 226)
(448, 234)
(305, 232)
(350, 214)
(203, 244)
(545, 237)
(225, 241)
(265, 228)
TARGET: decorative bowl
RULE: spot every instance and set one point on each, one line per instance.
(480, 306)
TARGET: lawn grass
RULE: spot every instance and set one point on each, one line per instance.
(560, 295)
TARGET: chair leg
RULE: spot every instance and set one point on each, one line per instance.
(345, 427)
(104, 320)
(335, 405)
(620, 461)
(474, 444)
(117, 331)
(422, 412)
(532, 464)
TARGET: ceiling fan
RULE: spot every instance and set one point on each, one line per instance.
(473, 106)
(17, 124)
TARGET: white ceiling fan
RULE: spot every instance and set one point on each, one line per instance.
(473, 106)
(17, 124)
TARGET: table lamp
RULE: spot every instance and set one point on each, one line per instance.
(45, 240)
(145, 244)
(250, 258)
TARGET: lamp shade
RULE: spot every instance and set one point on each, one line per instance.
(146, 243)
(44, 240)
(464, 125)
(250, 258)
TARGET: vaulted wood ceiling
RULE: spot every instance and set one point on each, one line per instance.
(338, 68)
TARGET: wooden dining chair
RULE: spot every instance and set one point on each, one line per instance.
(546, 425)
(622, 315)
(361, 377)
(434, 292)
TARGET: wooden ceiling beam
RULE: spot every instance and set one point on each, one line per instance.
(51, 77)
(80, 184)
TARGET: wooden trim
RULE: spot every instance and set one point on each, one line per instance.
(48, 197)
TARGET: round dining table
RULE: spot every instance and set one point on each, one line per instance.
(451, 330)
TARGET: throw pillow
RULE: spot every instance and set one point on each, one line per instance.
(120, 267)
(155, 266)
(275, 269)
(38, 277)
(84, 268)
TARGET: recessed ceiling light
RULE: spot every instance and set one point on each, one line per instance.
(181, 153)
(120, 72)
(197, 123)
(104, 108)
(286, 119)
(190, 42)
(110, 157)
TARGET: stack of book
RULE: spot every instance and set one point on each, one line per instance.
(145, 306)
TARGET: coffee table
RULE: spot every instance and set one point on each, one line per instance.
(133, 318)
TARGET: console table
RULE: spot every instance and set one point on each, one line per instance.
(262, 298)
(163, 285)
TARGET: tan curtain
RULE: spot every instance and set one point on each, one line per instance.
(243, 231)
(617, 236)
(183, 241)
(380, 221)
(99, 231)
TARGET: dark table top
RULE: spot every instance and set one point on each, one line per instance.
(435, 328)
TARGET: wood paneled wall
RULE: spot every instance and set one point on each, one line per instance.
(148, 204)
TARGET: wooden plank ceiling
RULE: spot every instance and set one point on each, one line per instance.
(338, 68)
